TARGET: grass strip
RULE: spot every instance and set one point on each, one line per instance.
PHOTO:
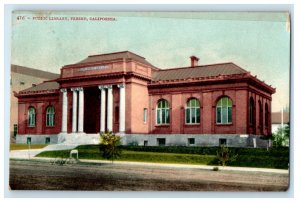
(26, 146)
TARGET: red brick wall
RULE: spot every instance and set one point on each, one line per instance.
(139, 101)
(40, 103)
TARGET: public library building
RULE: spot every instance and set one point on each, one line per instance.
(199, 105)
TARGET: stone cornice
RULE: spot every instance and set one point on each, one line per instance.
(34, 93)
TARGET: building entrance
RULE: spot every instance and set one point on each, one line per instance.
(92, 110)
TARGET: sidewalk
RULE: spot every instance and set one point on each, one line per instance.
(30, 153)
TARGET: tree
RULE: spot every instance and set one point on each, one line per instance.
(281, 136)
(224, 155)
(109, 146)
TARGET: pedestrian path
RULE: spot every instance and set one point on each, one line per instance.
(30, 153)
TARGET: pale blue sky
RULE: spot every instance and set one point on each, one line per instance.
(258, 42)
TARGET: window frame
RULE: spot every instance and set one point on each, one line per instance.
(50, 116)
(47, 142)
(189, 141)
(31, 116)
(163, 140)
(159, 111)
(251, 111)
(145, 115)
(226, 107)
(190, 108)
(266, 115)
(224, 140)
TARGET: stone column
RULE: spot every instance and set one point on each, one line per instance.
(64, 110)
(102, 105)
(122, 108)
(109, 108)
(80, 110)
(74, 111)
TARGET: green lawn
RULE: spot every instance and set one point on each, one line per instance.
(26, 146)
(153, 157)
(275, 158)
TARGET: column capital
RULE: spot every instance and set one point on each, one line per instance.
(105, 87)
(122, 85)
(101, 87)
(80, 89)
(63, 90)
(74, 89)
(109, 86)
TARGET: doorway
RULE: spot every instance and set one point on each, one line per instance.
(91, 110)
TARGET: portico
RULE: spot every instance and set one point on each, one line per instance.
(105, 111)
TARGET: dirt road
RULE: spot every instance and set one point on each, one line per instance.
(35, 175)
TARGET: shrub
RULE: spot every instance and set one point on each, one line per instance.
(109, 146)
(216, 168)
(224, 155)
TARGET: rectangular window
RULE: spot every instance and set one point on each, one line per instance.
(145, 115)
(158, 117)
(198, 115)
(188, 116)
(161, 141)
(193, 115)
(145, 143)
(224, 115)
(163, 115)
(167, 116)
(28, 140)
(222, 141)
(229, 114)
(15, 129)
(47, 141)
(191, 141)
(31, 120)
(218, 115)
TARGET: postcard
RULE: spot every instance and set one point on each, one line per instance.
(150, 101)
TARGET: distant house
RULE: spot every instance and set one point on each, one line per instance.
(276, 120)
(23, 78)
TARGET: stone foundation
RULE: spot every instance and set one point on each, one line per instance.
(207, 140)
(198, 140)
(36, 139)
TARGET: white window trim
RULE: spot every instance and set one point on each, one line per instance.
(51, 117)
(31, 118)
(186, 107)
(162, 124)
(228, 123)
(145, 115)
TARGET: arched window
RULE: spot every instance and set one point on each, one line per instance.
(251, 111)
(50, 116)
(266, 115)
(224, 111)
(192, 111)
(31, 117)
(162, 112)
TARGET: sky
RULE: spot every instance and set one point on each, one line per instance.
(257, 42)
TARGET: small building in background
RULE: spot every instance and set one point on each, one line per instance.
(277, 118)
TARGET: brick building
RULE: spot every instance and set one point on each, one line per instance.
(23, 78)
(201, 105)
